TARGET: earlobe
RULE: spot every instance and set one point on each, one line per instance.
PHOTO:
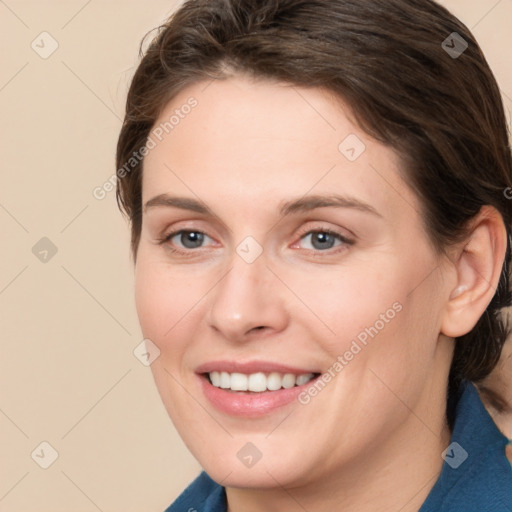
(478, 264)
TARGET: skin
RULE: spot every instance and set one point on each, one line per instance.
(373, 438)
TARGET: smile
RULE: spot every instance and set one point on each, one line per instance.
(258, 382)
(252, 389)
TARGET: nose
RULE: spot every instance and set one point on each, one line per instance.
(246, 301)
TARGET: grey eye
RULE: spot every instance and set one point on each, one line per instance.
(189, 239)
(321, 240)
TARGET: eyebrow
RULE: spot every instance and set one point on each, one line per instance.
(302, 204)
(312, 202)
(184, 203)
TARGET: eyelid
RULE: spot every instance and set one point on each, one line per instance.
(165, 231)
(324, 229)
(168, 236)
(303, 232)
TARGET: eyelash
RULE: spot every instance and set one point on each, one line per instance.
(344, 240)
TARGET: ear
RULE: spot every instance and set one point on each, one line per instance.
(478, 263)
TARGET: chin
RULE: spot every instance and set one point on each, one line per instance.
(266, 473)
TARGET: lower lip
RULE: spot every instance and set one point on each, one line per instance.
(248, 404)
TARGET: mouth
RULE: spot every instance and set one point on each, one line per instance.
(252, 389)
(259, 382)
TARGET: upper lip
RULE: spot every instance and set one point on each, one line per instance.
(250, 367)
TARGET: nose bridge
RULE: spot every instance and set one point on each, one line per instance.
(246, 298)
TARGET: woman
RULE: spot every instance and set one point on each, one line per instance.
(320, 235)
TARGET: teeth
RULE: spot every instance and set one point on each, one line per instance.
(288, 381)
(274, 381)
(216, 379)
(302, 379)
(225, 380)
(258, 382)
(239, 382)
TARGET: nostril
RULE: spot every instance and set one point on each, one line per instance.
(258, 328)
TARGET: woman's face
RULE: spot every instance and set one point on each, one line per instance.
(279, 239)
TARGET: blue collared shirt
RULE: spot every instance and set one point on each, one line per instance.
(475, 477)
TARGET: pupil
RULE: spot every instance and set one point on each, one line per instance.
(191, 239)
(322, 241)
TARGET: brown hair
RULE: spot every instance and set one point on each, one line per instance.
(442, 113)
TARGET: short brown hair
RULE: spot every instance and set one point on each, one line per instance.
(442, 113)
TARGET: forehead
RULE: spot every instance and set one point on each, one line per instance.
(243, 138)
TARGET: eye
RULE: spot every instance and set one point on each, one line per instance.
(321, 240)
(186, 239)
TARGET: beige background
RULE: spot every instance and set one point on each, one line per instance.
(68, 375)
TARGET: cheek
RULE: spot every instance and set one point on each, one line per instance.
(170, 304)
(150, 301)
(370, 317)
(344, 305)
(161, 299)
(165, 308)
